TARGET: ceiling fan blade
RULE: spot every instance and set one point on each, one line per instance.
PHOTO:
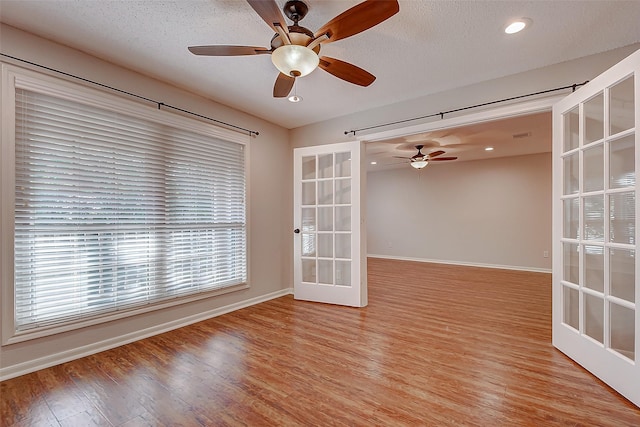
(345, 71)
(359, 18)
(400, 157)
(269, 11)
(283, 85)
(436, 154)
(442, 159)
(222, 50)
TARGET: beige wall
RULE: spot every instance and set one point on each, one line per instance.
(493, 212)
(269, 202)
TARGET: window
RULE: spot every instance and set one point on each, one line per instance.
(117, 207)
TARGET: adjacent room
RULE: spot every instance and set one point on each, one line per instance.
(340, 212)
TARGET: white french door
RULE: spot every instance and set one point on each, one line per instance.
(329, 242)
(596, 288)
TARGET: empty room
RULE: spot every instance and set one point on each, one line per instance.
(336, 212)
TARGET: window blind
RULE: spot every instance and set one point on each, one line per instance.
(114, 212)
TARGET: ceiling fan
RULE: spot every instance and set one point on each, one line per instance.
(420, 160)
(295, 49)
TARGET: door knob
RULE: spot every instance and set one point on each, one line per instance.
(297, 231)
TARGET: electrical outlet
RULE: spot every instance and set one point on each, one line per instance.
(545, 254)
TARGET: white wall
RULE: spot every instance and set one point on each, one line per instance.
(269, 208)
(493, 212)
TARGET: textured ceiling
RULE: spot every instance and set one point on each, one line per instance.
(428, 47)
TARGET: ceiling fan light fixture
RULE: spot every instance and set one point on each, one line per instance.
(419, 164)
(294, 60)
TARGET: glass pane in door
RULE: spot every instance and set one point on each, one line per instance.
(593, 218)
(594, 267)
(343, 245)
(571, 174)
(308, 244)
(622, 162)
(623, 329)
(343, 273)
(343, 218)
(571, 215)
(571, 307)
(308, 193)
(309, 167)
(343, 191)
(622, 218)
(325, 271)
(325, 166)
(593, 179)
(325, 218)
(309, 270)
(571, 130)
(343, 164)
(621, 100)
(325, 245)
(571, 257)
(622, 273)
(309, 219)
(325, 192)
(594, 317)
(594, 119)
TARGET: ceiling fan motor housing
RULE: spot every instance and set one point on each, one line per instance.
(419, 156)
(295, 10)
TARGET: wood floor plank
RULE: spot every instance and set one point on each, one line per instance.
(438, 345)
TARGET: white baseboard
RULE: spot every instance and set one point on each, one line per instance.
(76, 353)
(466, 264)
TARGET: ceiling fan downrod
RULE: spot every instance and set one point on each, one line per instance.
(295, 10)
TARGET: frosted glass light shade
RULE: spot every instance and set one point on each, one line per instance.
(419, 164)
(294, 60)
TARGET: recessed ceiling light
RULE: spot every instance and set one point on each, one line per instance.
(517, 26)
(488, 149)
(374, 163)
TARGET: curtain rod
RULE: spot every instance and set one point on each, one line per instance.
(159, 104)
(441, 114)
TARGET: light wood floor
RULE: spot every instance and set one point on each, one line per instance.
(437, 346)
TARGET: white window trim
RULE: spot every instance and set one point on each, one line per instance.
(14, 77)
